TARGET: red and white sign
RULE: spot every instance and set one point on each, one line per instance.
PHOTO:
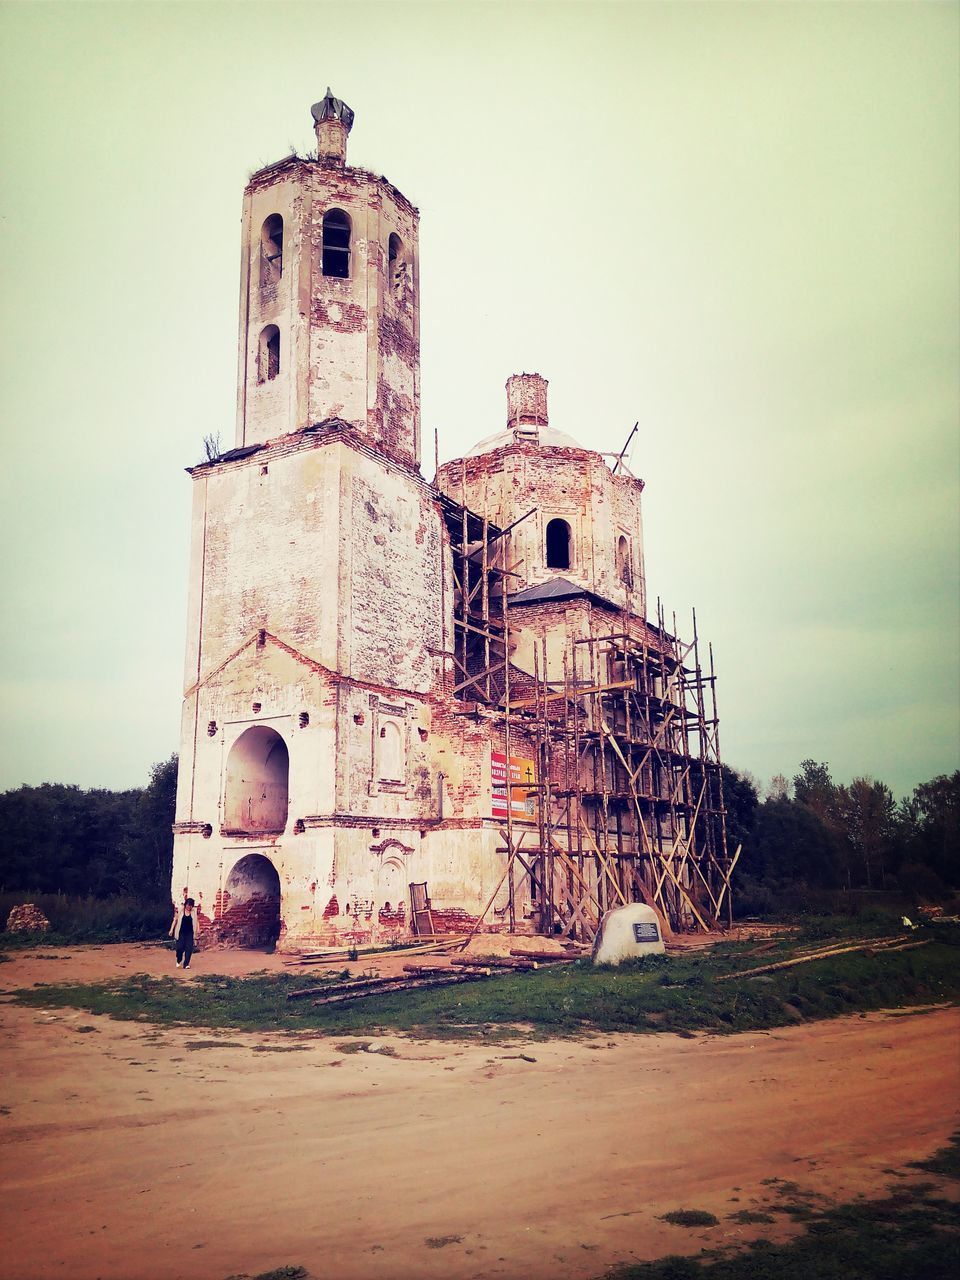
(522, 779)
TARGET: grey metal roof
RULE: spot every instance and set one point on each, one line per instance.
(556, 589)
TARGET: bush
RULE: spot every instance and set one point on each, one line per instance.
(921, 884)
(754, 898)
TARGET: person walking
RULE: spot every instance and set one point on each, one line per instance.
(186, 930)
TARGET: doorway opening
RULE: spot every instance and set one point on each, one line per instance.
(251, 903)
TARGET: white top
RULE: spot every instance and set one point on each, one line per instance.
(549, 438)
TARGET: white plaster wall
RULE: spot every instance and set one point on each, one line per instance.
(349, 347)
(270, 409)
(265, 551)
(390, 577)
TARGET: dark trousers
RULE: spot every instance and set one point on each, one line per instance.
(185, 948)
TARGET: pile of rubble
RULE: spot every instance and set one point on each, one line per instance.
(27, 918)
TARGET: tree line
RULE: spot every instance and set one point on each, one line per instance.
(802, 837)
(64, 840)
(814, 834)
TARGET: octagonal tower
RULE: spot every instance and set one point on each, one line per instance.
(329, 298)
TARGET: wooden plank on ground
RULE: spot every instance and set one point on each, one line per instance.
(546, 957)
(875, 945)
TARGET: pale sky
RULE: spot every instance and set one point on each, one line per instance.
(735, 223)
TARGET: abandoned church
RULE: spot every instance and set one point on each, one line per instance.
(418, 708)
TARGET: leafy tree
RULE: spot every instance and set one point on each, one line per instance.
(793, 843)
(61, 839)
(814, 787)
(928, 827)
(850, 836)
(866, 812)
(778, 788)
(741, 799)
(148, 848)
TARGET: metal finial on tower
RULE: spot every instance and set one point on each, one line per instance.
(331, 108)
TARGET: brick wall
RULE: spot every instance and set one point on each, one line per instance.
(575, 485)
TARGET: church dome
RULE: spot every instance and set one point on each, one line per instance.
(527, 421)
(546, 438)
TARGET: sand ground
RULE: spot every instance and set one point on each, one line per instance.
(131, 1152)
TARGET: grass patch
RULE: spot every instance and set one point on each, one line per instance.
(213, 1044)
(660, 993)
(908, 1234)
(690, 1218)
(870, 922)
(278, 1273)
(366, 1046)
(945, 1162)
(74, 919)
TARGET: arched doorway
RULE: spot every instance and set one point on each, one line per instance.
(256, 794)
(251, 903)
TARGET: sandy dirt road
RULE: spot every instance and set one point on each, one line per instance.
(127, 1154)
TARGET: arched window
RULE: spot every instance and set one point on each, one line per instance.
(271, 250)
(396, 265)
(624, 568)
(268, 357)
(558, 545)
(258, 770)
(336, 244)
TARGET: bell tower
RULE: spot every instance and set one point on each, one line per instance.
(329, 298)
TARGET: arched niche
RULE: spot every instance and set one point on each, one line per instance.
(392, 892)
(391, 752)
(256, 794)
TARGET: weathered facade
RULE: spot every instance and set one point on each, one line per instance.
(366, 652)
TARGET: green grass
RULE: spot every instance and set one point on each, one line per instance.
(278, 1273)
(691, 1218)
(945, 1162)
(912, 1233)
(660, 993)
(870, 922)
(76, 920)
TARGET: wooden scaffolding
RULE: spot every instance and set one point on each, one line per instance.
(629, 786)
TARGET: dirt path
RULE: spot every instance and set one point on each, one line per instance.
(132, 1153)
